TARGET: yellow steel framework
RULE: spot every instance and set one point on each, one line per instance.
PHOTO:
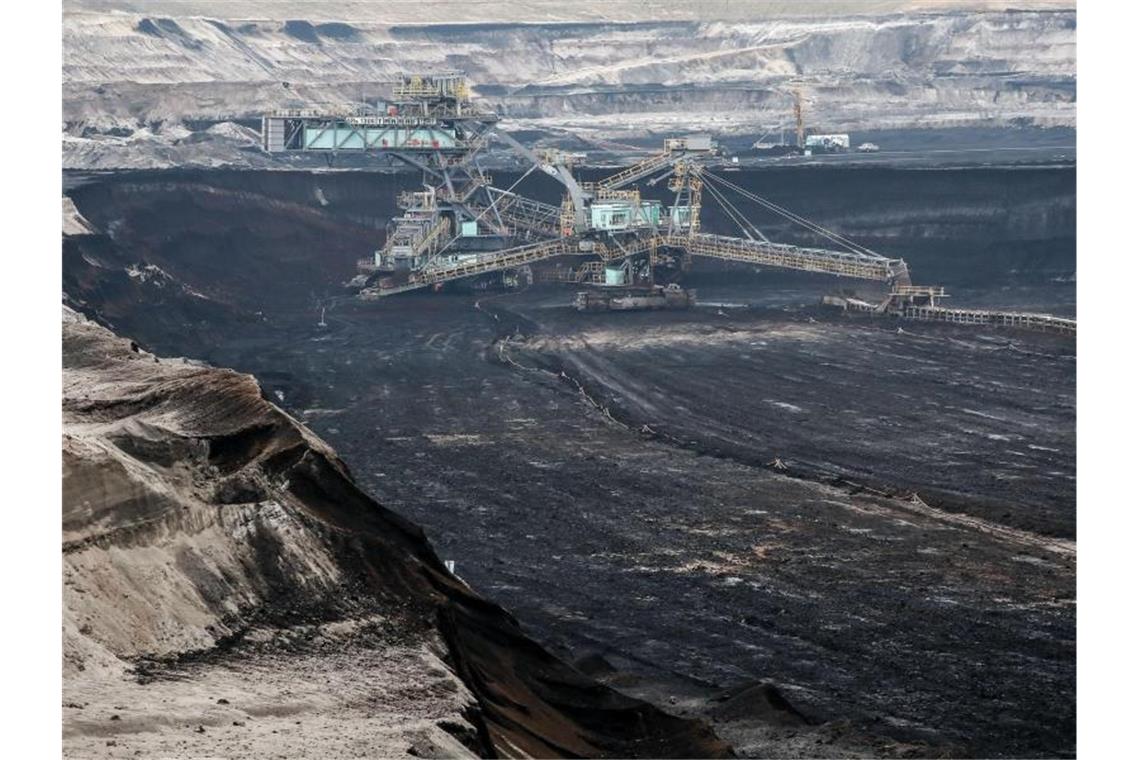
(492, 262)
(764, 253)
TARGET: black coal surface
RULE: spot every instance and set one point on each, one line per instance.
(612, 480)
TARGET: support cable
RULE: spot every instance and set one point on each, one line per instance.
(780, 211)
(797, 219)
(736, 215)
(728, 209)
(835, 237)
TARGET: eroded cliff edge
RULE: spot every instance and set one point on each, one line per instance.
(228, 588)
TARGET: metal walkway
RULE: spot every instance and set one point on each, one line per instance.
(493, 262)
(838, 263)
(1046, 322)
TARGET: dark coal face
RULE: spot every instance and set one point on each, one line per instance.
(673, 550)
(989, 230)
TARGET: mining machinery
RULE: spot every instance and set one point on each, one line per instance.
(603, 234)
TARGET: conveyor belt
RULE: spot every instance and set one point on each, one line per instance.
(764, 253)
(839, 263)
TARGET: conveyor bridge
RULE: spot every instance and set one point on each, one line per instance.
(1026, 320)
(763, 253)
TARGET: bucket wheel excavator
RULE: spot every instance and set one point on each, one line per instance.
(604, 234)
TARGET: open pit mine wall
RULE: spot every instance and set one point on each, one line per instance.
(155, 90)
(196, 513)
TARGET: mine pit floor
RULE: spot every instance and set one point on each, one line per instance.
(632, 514)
